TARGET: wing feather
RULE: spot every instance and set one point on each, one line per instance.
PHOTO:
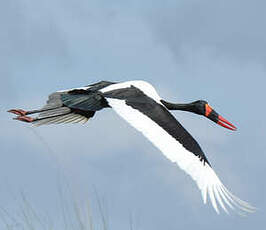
(200, 171)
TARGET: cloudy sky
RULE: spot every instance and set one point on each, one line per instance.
(189, 50)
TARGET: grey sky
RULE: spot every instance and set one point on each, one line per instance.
(188, 50)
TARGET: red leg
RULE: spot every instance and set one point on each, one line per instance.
(19, 112)
(24, 118)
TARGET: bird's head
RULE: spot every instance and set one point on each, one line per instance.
(202, 107)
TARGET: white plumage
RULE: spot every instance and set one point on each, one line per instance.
(204, 176)
(138, 103)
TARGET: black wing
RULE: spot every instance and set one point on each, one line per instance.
(72, 106)
(135, 98)
(77, 105)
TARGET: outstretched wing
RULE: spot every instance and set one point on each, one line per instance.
(58, 109)
(167, 134)
(69, 106)
(77, 105)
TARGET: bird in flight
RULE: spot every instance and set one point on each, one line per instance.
(138, 103)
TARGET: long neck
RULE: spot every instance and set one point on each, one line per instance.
(184, 107)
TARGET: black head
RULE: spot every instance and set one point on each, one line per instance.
(202, 107)
(199, 107)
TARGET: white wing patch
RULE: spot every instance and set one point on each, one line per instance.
(144, 86)
(67, 90)
(204, 176)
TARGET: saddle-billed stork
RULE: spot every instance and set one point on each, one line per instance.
(139, 104)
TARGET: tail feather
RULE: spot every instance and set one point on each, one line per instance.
(60, 119)
(64, 107)
(55, 115)
(54, 112)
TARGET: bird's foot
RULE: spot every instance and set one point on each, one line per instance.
(19, 112)
(24, 118)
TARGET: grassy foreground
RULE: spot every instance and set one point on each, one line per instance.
(70, 215)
